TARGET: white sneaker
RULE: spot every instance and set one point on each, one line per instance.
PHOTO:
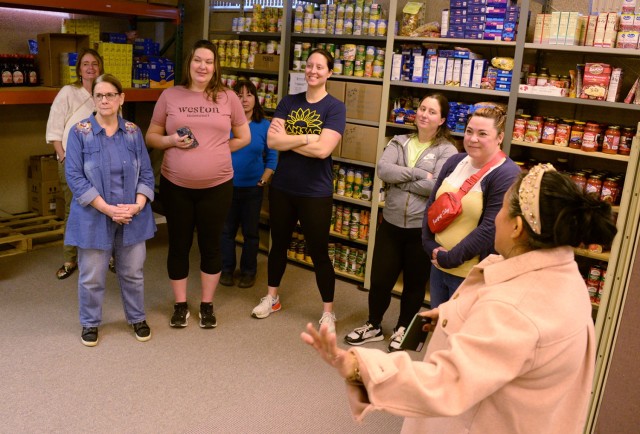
(363, 334)
(267, 306)
(330, 319)
(396, 339)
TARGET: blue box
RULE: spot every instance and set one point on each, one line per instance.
(457, 28)
(509, 26)
(503, 87)
(456, 35)
(508, 36)
(453, 21)
(496, 11)
(461, 54)
(457, 13)
(494, 25)
(473, 35)
(446, 53)
(458, 4)
(493, 35)
(474, 27)
(476, 2)
(500, 3)
(476, 9)
(476, 18)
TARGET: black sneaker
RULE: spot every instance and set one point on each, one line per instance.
(142, 331)
(89, 336)
(226, 279)
(207, 317)
(180, 315)
(247, 281)
(366, 333)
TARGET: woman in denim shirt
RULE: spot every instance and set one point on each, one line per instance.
(109, 173)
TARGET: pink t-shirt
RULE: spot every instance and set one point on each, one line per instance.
(209, 164)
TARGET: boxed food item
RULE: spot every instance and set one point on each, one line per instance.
(595, 81)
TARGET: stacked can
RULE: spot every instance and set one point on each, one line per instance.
(351, 17)
(351, 222)
(348, 259)
(595, 282)
(352, 182)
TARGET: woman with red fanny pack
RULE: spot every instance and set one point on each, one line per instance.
(469, 238)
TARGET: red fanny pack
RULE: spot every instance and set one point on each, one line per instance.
(448, 206)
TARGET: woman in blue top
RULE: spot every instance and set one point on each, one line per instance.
(253, 166)
(306, 128)
(109, 173)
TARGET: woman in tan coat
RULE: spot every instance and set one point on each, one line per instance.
(513, 351)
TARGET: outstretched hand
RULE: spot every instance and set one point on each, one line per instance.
(325, 345)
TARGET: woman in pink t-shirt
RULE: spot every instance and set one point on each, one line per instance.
(193, 123)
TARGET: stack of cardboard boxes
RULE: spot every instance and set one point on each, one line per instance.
(44, 186)
(359, 142)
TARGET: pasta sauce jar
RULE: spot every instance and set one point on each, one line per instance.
(575, 137)
(611, 141)
(549, 131)
(594, 185)
(625, 141)
(590, 137)
(563, 131)
(580, 180)
(610, 190)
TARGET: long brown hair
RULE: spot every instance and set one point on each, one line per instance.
(215, 85)
(443, 131)
(83, 52)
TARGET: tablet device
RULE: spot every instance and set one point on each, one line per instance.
(414, 336)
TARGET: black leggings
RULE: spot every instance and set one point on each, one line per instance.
(189, 209)
(314, 214)
(398, 250)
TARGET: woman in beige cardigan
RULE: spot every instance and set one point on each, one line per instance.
(513, 351)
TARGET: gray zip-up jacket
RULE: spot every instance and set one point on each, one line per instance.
(408, 187)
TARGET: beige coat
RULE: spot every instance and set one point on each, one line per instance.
(513, 352)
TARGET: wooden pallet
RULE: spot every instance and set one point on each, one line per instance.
(25, 232)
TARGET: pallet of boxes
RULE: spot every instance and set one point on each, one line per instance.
(43, 224)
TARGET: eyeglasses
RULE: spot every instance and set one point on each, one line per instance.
(109, 96)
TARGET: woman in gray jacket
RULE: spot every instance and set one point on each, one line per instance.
(409, 166)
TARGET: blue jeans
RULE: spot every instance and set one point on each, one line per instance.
(442, 285)
(93, 265)
(245, 212)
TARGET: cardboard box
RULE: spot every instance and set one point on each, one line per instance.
(359, 143)
(337, 89)
(43, 168)
(42, 196)
(267, 62)
(363, 101)
(50, 46)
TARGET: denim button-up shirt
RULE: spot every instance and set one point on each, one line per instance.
(88, 173)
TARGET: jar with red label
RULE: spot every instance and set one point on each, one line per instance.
(575, 137)
(563, 131)
(542, 79)
(519, 128)
(594, 185)
(626, 138)
(549, 131)
(532, 135)
(580, 179)
(590, 137)
(540, 120)
(609, 190)
(532, 79)
(611, 141)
